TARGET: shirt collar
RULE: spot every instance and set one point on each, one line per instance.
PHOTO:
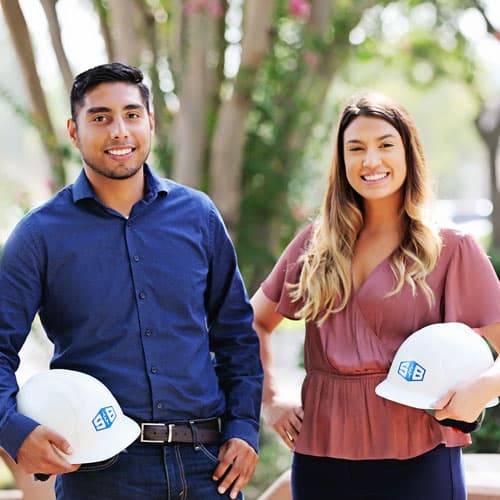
(82, 188)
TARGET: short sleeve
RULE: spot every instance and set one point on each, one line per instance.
(286, 271)
(472, 289)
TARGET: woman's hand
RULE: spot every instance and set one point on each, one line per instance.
(285, 418)
(465, 402)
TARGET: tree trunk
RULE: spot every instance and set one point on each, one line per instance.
(175, 41)
(229, 136)
(162, 122)
(49, 6)
(19, 33)
(125, 24)
(104, 24)
(488, 126)
(191, 122)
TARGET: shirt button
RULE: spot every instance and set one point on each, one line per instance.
(159, 405)
(129, 223)
(136, 258)
(154, 369)
(142, 295)
(148, 332)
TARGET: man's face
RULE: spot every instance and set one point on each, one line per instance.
(113, 130)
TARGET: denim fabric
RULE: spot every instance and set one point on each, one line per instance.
(435, 475)
(148, 472)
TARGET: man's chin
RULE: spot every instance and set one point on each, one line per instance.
(120, 173)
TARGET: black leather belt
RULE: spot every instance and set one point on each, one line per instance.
(191, 431)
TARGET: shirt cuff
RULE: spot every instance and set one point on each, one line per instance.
(14, 432)
(242, 429)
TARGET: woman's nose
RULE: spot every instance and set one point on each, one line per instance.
(372, 158)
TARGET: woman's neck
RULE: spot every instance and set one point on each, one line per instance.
(382, 215)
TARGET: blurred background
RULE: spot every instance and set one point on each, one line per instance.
(246, 96)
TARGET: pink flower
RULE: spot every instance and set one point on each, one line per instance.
(192, 6)
(51, 183)
(213, 7)
(299, 8)
(311, 58)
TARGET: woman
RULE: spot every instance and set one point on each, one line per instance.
(370, 271)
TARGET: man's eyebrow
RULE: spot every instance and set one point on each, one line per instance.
(381, 138)
(134, 106)
(97, 109)
(104, 109)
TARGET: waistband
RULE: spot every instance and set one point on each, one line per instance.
(196, 431)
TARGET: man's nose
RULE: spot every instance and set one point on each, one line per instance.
(119, 128)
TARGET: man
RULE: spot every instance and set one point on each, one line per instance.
(136, 283)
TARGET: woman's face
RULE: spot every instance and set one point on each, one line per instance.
(374, 158)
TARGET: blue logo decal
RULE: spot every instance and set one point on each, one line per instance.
(411, 371)
(104, 418)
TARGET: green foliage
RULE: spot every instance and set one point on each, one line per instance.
(267, 222)
(162, 153)
(494, 254)
(487, 438)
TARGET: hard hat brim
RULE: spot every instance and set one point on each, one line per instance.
(116, 441)
(387, 390)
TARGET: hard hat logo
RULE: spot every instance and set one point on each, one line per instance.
(411, 371)
(104, 419)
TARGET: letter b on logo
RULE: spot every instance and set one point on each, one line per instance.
(104, 418)
(411, 371)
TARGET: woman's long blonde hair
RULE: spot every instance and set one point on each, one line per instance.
(325, 282)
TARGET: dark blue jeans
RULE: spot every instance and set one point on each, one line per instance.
(436, 475)
(148, 472)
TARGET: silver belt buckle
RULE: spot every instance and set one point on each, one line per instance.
(147, 424)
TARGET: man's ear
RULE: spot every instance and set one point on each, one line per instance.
(71, 127)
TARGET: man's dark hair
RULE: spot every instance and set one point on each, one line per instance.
(106, 73)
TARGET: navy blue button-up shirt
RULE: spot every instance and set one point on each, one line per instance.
(153, 306)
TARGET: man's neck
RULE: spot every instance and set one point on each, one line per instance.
(119, 194)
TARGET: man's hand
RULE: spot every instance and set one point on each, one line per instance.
(285, 418)
(237, 461)
(38, 453)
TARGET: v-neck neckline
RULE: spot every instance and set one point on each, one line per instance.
(357, 289)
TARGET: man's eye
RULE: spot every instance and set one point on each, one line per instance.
(99, 118)
(134, 115)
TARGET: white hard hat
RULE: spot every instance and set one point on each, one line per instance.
(82, 410)
(434, 360)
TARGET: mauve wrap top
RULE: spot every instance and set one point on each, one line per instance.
(352, 351)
